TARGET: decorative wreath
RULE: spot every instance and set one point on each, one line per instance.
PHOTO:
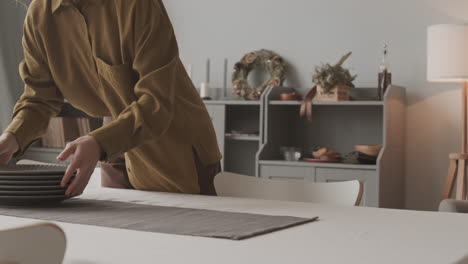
(268, 60)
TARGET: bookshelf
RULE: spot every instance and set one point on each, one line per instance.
(337, 125)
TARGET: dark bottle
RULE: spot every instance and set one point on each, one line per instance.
(385, 76)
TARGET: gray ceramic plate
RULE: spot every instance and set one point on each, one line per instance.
(30, 188)
(30, 177)
(31, 200)
(32, 170)
(31, 183)
(36, 181)
(32, 193)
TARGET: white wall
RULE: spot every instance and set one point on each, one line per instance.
(11, 20)
(305, 33)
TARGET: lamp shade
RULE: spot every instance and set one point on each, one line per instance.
(447, 53)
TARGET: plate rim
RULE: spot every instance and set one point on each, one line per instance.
(38, 169)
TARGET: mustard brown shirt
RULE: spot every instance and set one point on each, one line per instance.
(116, 58)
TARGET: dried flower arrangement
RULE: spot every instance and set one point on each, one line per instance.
(329, 76)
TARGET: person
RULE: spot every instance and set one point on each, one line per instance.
(117, 59)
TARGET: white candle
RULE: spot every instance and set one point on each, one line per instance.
(204, 90)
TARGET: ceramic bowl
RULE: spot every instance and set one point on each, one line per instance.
(290, 97)
(371, 150)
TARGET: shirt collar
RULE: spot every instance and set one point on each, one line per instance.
(56, 4)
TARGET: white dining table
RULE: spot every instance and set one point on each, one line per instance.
(352, 235)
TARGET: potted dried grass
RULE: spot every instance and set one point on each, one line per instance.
(333, 82)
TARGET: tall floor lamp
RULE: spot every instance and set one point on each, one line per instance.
(447, 61)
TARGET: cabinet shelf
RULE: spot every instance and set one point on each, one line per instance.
(342, 103)
(322, 165)
(231, 102)
(243, 137)
(336, 125)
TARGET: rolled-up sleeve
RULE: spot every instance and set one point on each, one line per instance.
(41, 99)
(156, 60)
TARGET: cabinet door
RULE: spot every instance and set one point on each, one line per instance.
(287, 172)
(218, 116)
(369, 179)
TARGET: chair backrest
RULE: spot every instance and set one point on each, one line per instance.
(453, 206)
(341, 193)
(43, 243)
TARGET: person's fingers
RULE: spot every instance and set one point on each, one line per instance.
(74, 183)
(69, 150)
(71, 169)
(5, 153)
(79, 183)
(82, 183)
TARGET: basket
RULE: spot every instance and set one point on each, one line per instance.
(337, 93)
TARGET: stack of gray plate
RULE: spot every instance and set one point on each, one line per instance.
(31, 184)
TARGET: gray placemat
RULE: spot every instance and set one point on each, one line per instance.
(160, 219)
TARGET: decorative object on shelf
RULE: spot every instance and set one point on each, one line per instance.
(357, 157)
(351, 158)
(447, 61)
(332, 83)
(205, 86)
(266, 59)
(370, 150)
(366, 159)
(326, 154)
(385, 76)
(205, 91)
(364, 154)
(290, 97)
(291, 153)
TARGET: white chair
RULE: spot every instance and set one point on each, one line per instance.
(42, 243)
(340, 193)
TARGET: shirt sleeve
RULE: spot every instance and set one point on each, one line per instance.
(157, 62)
(40, 100)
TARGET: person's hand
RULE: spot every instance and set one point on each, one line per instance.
(8, 147)
(86, 152)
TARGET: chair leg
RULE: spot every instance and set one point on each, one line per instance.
(450, 181)
(461, 180)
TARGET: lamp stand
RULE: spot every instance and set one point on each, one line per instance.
(458, 161)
